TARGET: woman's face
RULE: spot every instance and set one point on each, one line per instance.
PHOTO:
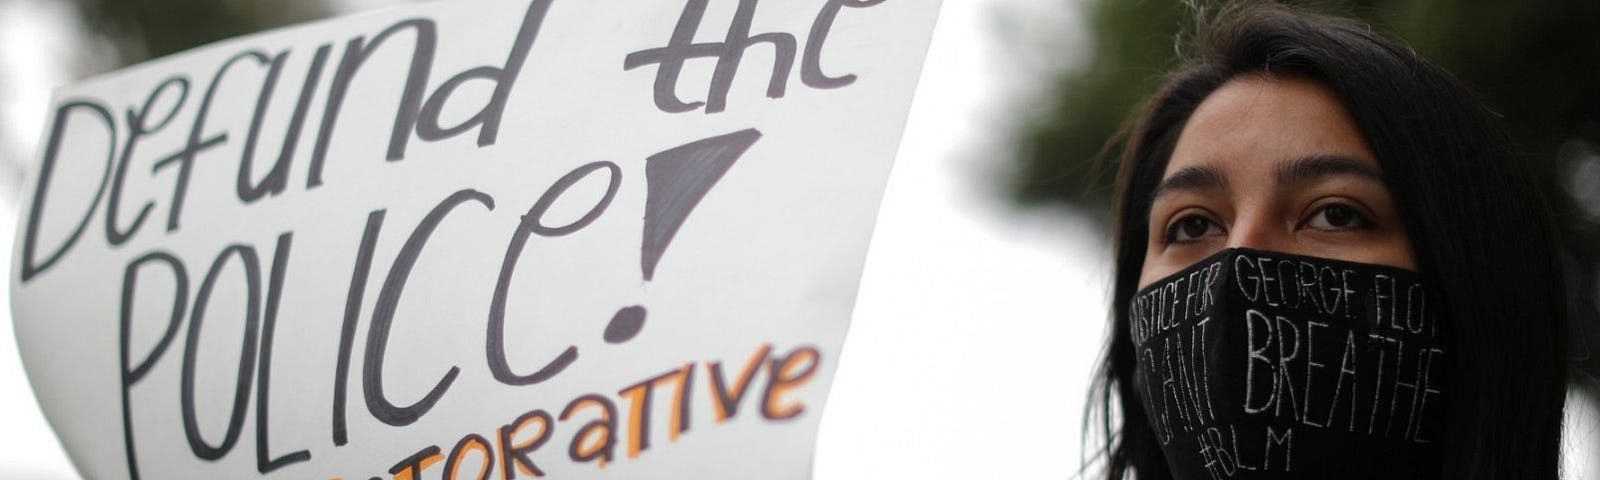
(1272, 164)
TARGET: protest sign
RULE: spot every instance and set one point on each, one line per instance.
(468, 239)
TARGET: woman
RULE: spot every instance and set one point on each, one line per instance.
(1328, 265)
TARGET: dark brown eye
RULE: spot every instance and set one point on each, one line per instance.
(1337, 217)
(1191, 228)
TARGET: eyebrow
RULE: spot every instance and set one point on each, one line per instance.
(1311, 168)
(1191, 178)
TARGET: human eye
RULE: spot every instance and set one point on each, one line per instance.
(1337, 217)
(1191, 228)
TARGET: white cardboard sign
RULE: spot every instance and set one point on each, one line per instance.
(468, 239)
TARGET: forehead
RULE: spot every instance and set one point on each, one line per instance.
(1253, 123)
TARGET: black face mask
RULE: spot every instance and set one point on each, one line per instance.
(1256, 364)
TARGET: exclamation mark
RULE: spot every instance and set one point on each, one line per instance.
(678, 179)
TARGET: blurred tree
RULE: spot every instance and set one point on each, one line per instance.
(1537, 62)
(142, 29)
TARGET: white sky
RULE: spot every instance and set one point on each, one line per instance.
(33, 37)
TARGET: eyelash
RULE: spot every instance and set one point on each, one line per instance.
(1359, 220)
(1362, 221)
(1170, 236)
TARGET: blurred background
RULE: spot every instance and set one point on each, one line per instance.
(997, 177)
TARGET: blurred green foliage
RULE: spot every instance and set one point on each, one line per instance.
(142, 29)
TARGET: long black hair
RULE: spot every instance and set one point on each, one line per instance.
(1478, 225)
